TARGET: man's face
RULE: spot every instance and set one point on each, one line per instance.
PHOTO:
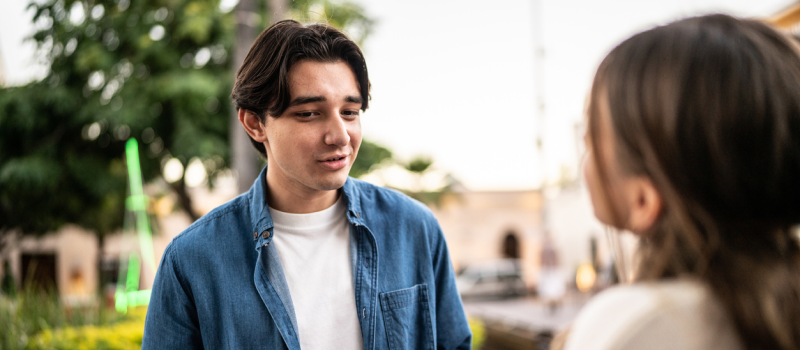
(313, 144)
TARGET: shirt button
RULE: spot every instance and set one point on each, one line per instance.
(255, 235)
(265, 234)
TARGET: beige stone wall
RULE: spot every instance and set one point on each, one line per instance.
(475, 225)
(572, 223)
(75, 251)
(121, 245)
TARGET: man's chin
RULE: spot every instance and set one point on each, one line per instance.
(331, 183)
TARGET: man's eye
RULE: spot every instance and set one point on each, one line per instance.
(350, 113)
(304, 114)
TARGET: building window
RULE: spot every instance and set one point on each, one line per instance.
(39, 272)
(511, 246)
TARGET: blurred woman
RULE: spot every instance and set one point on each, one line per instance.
(694, 145)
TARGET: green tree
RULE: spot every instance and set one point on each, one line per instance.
(347, 16)
(370, 156)
(150, 69)
(419, 165)
(157, 70)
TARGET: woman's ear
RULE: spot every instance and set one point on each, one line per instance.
(645, 204)
(252, 125)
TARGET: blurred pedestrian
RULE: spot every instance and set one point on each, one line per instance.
(551, 286)
(694, 145)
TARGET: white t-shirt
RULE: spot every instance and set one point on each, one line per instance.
(314, 250)
(680, 314)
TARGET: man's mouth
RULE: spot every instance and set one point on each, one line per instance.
(334, 162)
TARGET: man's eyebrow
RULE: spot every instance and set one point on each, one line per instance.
(301, 100)
(353, 99)
(311, 99)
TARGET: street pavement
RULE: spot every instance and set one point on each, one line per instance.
(528, 312)
(526, 322)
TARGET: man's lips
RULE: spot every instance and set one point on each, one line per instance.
(334, 162)
(333, 157)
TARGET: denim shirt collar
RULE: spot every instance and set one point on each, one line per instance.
(351, 194)
(259, 211)
(262, 220)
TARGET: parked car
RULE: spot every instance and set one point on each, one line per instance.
(497, 278)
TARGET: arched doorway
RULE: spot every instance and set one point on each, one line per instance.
(511, 246)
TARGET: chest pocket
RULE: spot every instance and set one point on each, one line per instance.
(407, 317)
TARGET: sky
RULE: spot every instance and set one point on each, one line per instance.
(457, 80)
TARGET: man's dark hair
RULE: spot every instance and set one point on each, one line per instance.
(262, 82)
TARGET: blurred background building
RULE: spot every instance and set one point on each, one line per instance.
(489, 226)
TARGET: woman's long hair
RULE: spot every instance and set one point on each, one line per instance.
(708, 108)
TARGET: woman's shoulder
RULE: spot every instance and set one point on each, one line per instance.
(680, 314)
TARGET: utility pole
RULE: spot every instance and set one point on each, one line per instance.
(538, 85)
(244, 158)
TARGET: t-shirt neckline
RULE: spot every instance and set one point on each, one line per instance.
(324, 217)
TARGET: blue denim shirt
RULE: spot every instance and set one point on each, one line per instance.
(220, 284)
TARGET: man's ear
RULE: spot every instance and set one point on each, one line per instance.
(645, 204)
(252, 125)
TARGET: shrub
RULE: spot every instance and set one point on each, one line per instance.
(36, 319)
(123, 335)
(478, 332)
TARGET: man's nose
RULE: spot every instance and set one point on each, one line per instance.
(336, 134)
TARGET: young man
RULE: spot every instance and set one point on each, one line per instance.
(308, 258)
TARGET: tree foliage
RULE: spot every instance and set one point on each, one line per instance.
(156, 70)
(150, 69)
(370, 156)
(347, 16)
(419, 164)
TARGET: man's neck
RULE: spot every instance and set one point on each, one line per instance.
(291, 197)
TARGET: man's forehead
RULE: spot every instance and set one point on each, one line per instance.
(312, 79)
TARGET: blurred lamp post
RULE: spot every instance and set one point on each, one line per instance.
(585, 277)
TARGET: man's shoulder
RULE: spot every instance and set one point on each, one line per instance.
(390, 201)
(215, 223)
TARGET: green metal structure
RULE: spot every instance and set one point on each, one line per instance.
(127, 293)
